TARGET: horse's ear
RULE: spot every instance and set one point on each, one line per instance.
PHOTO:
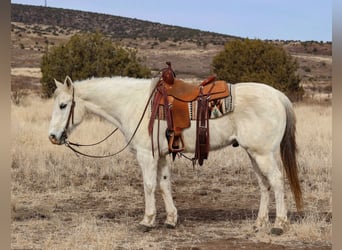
(58, 84)
(68, 82)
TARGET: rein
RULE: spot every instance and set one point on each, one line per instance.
(70, 145)
(92, 144)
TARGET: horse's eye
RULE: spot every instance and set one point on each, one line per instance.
(62, 106)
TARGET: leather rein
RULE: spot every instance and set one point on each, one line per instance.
(70, 144)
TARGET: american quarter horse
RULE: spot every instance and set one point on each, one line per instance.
(263, 122)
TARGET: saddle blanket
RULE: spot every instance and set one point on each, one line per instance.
(217, 108)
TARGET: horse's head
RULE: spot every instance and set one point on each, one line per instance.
(66, 113)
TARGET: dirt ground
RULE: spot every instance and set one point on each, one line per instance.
(209, 218)
(210, 227)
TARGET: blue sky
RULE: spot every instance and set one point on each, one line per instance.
(264, 19)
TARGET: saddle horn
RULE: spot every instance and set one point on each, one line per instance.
(168, 75)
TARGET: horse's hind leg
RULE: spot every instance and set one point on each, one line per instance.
(262, 220)
(164, 179)
(268, 168)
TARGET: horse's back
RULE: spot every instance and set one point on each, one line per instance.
(259, 115)
(259, 97)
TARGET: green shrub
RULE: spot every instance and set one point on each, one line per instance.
(258, 61)
(89, 55)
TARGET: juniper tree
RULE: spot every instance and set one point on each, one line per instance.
(258, 61)
(89, 55)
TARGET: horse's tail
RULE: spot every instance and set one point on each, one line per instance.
(288, 152)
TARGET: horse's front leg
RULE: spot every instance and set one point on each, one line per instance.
(164, 179)
(149, 167)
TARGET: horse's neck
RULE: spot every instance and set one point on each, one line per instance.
(116, 99)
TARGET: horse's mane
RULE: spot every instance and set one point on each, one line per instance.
(122, 84)
(123, 79)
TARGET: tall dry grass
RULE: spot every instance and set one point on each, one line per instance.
(62, 201)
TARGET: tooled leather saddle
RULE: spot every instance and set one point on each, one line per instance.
(173, 95)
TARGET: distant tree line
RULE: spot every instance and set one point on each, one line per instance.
(116, 27)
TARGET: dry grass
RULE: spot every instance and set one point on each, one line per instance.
(61, 201)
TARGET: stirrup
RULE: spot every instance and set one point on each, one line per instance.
(171, 138)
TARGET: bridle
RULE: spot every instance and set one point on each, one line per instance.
(70, 144)
(71, 114)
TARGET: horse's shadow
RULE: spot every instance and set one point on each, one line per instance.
(214, 214)
(210, 215)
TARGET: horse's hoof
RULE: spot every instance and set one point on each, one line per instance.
(144, 228)
(261, 225)
(170, 226)
(277, 231)
(256, 229)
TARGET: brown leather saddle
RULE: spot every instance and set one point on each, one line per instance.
(173, 95)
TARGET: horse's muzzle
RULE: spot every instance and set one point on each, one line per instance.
(54, 139)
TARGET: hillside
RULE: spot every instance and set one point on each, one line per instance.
(35, 29)
(114, 26)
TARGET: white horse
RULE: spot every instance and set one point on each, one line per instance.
(262, 123)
